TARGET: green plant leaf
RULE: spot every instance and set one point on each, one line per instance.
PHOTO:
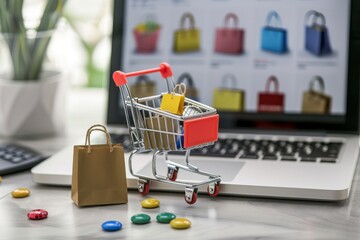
(28, 54)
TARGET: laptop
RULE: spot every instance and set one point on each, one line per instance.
(283, 76)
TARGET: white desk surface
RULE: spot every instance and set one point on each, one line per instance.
(221, 217)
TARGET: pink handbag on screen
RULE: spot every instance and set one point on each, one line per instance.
(229, 40)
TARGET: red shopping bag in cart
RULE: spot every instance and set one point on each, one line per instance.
(271, 101)
(230, 40)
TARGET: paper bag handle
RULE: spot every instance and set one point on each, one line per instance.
(100, 128)
(179, 89)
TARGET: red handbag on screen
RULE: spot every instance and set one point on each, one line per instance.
(271, 101)
(146, 35)
(229, 40)
(146, 41)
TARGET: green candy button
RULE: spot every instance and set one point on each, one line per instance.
(165, 217)
(140, 218)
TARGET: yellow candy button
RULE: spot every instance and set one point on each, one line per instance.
(150, 203)
(180, 223)
(20, 192)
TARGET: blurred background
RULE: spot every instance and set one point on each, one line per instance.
(81, 44)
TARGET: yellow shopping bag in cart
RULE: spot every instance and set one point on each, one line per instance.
(174, 102)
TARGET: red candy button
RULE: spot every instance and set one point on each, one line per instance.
(37, 214)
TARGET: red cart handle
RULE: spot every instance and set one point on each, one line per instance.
(120, 77)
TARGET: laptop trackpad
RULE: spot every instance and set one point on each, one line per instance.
(226, 169)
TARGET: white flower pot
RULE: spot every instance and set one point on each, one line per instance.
(32, 108)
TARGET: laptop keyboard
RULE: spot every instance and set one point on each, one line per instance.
(265, 150)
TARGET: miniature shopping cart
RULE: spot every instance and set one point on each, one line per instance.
(153, 129)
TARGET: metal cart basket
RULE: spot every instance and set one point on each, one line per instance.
(153, 129)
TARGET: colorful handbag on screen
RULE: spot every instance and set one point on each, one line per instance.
(229, 40)
(271, 101)
(146, 36)
(191, 91)
(229, 98)
(316, 101)
(143, 87)
(187, 39)
(273, 36)
(317, 39)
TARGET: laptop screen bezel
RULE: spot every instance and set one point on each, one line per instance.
(350, 125)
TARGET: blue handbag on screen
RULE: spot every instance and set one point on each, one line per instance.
(273, 36)
(317, 39)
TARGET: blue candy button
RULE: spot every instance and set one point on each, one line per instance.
(111, 226)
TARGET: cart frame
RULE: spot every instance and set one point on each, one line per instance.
(153, 129)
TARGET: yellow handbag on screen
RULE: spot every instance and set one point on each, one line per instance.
(187, 39)
(230, 98)
(174, 102)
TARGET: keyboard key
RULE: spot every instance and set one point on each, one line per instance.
(249, 156)
(269, 157)
(290, 159)
(17, 159)
(308, 159)
(27, 155)
(328, 160)
(287, 154)
(7, 157)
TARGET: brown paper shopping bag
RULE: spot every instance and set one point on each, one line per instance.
(161, 134)
(99, 176)
(316, 101)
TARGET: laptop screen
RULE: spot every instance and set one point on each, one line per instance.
(260, 63)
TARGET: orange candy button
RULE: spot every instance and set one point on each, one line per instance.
(20, 192)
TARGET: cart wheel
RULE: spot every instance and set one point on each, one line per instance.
(213, 189)
(144, 187)
(190, 196)
(172, 173)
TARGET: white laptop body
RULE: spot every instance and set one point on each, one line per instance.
(299, 180)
